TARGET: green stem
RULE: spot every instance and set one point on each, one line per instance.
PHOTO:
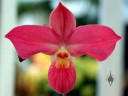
(67, 94)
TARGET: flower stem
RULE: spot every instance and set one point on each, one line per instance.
(67, 94)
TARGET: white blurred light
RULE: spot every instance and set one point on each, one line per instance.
(78, 7)
(27, 19)
(125, 11)
(30, 1)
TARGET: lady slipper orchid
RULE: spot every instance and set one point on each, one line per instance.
(63, 41)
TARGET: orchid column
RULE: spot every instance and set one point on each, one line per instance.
(7, 64)
(110, 15)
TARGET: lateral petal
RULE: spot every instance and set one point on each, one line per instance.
(94, 40)
(62, 21)
(31, 39)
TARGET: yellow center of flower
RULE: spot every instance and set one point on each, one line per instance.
(62, 59)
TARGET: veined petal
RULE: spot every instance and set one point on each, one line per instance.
(94, 40)
(62, 21)
(31, 39)
(62, 80)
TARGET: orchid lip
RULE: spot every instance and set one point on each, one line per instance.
(62, 74)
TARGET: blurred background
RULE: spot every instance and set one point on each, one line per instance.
(29, 78)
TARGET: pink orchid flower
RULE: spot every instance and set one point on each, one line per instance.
(63, 41)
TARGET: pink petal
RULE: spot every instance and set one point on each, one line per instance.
(62, 21)
(62, 80)
(94, 40)
(31, 39)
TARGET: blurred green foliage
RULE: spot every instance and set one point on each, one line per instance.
(86, 69)
(30, 7)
